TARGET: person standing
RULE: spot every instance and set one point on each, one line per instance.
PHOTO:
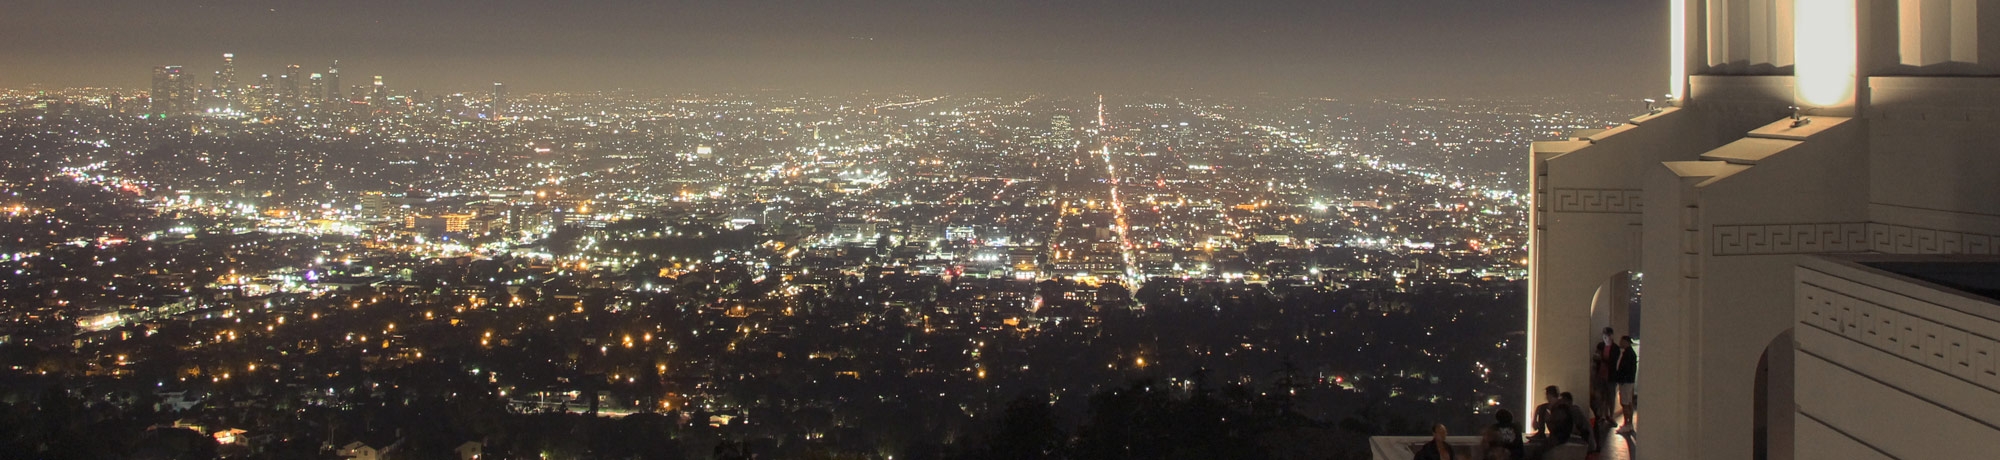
(1602, 363)
(1624, 376)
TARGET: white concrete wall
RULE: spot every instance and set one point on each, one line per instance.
(1915, 172)
(1935, 154)
(1727, 244)
(1666, 380)
(1892, 368)
(1954, 44)
(1748, 37)
(1732, 105)
(1588, 197)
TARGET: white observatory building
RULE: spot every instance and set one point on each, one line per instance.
(1812, 213)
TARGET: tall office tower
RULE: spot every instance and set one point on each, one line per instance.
(223, 92)
(379, 99)
(498, 107)
(157, 100)
(1813, 243)
(333, 91)
(214, 96)
(282, 94)
(225, 80)
(289, 84)
(315, 88)
(171, 95)
(264, 94)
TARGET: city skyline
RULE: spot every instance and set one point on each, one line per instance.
(611, 258)
(908, 230)
(1339, 49)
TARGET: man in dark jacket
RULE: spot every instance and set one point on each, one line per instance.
(1603, 360)
(1624, 374)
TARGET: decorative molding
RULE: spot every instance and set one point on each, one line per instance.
(1598, 200)
(1943, 347)
(1903, 239)
(1766, 239)
(1735, 240)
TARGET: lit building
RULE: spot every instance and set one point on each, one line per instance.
(288, 84)
(225, 79)
(498, 107)
(376, 205)
(225, 92)
(171, 94)
(265, 91)
(379, 100)
(315, 88)
(456, 222)
(333, 92)
(1766, 333)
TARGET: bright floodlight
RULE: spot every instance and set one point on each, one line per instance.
(1676, 56)
(1825, 50)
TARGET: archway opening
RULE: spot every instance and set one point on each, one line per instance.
(1773, 407)
(1614, 315)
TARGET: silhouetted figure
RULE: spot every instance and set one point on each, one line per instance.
(1625, 375)
(1502, 440)
(1554, 424)
(1583, 429)
(1437, 449)
(1603, 363)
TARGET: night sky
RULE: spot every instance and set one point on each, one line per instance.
(1338, 48)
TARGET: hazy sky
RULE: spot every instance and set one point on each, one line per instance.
(1343, 48)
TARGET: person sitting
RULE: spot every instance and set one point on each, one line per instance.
(1554, 424)
(1490, 446)
(1502, 439)
(1509, 435)
(1576, 413)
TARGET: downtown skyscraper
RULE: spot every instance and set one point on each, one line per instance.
(333, 92)
(223, 92)
(497, 108)
(288, 84)
(171, 94)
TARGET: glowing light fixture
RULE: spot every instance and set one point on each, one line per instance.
(1676, 56)
(1825, 49)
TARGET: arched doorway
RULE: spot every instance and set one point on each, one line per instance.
(1772, 411)
(1615, 306)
